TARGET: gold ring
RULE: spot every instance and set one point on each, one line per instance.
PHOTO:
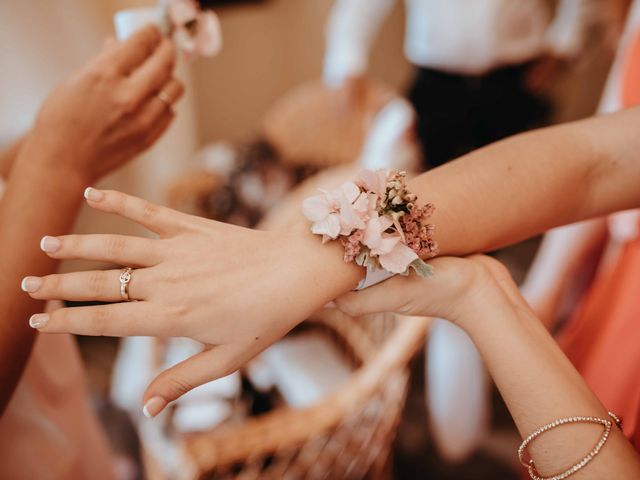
(164, 98)
(125, 278)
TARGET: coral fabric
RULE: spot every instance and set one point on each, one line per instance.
(603, 339)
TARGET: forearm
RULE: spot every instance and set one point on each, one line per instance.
(40, 200)
(523, 186)
(540, 385)
(530, 183)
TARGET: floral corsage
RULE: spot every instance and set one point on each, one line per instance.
(195, 31)
(378, 222)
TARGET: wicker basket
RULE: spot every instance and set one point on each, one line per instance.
(347, 436)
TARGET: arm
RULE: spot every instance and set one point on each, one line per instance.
(536, 380)
(93, 122)
(201, 276)
(350, 30)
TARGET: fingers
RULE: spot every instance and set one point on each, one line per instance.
(114, 320)
(160, 112)
(174, 382)
(102, 286)
(154, 72)
(128, 55)
(387, 296)
(160, 220)
(117, 249)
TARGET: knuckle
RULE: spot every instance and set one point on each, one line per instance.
(124, 102)
(149, 211)
(99, 321)
(115, 246)
(96, 284)
(176, 385)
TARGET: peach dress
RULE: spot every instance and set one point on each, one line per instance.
(603, 337)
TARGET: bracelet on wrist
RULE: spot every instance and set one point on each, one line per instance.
(605, 423)
(378, 222)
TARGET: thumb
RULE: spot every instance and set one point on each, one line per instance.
(183, 377)
(388, 296)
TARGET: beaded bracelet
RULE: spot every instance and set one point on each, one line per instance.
(533, 473)
(378, 222)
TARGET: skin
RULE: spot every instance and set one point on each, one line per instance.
(239, 290)
(538, 383)
(92, 123)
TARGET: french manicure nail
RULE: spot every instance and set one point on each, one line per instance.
(93, 194)
(154, 406)
(49, 244)
(38, 320)
(31, 284)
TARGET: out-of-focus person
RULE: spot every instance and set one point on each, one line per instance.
(482, 67)
(95, 121)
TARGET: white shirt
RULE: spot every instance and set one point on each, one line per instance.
(459, 36)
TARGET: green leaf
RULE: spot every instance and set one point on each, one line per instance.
(421, 268)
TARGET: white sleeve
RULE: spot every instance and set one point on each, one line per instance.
(568, 31)
(350, 30)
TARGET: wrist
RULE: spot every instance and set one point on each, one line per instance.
(323, 263)
(46, 166)
(481, 307)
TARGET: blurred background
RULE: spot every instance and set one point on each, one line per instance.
(256, 121)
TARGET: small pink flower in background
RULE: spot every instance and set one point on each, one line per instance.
(182, 12)
(195, 32)
(209, 36)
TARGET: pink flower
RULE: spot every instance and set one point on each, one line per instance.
(194, 31)
(182, 12)
(338, 212)
(209, 36)
(375, 181)
(393, 255)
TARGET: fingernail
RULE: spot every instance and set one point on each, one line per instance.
(49, 244)
(31, 284)
(154, 406)
(38, 320)
(330, 304)
(93, 194)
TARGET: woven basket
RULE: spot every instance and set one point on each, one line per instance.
(347, 436)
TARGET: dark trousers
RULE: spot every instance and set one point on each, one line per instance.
(457, 114)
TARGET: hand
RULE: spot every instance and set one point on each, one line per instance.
(109, 111)
(234, 289)
(458, 288)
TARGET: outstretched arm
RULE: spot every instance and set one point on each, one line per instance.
(537, 381)
(239, 290)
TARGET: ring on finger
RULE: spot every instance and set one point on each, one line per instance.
(166, 99)
(125, 279)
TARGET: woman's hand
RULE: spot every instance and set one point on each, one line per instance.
(457, 290)
(110, 110)
(234, 289)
